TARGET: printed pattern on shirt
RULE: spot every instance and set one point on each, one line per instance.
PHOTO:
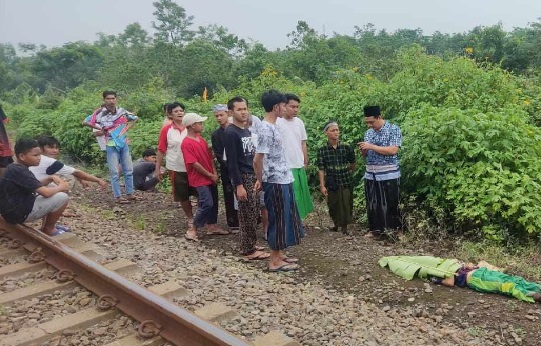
(388, 135)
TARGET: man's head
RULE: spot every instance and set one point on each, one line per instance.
(273, 102)
(175, 111)
(28, 152)
(164, 108)
(221, 114)
(109, 98)
(194, 122)
(292, 106)
(238, 108)
(49, 145)
(331, 130)
(372, 117)
(149, 155)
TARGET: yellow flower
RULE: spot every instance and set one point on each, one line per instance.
(468, 50)
(527, 102)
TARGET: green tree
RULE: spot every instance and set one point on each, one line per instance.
(172, 23)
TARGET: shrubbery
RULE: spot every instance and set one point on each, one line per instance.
(470, 145)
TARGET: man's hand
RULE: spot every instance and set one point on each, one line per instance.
(83, 183)
(366, 146)
(63, 185)
(214, 178)
(257, 186)
(102, 183)
(323, 190)
(241, 193)
(98, 133)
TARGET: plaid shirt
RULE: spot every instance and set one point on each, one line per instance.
(336, 162)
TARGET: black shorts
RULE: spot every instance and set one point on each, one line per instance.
(5, 161)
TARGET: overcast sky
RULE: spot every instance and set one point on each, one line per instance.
(55, 22)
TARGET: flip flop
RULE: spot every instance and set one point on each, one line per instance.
(290, 260)
(259, 248)
(57, 232)
(62, 228)
(285, 268)
(217, 232)
(261, 256)
(191, 238)
(121, 200)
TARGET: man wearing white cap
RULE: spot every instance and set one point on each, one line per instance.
(201, 175)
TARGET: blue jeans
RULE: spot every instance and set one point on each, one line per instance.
(207, 210)
(115, 156)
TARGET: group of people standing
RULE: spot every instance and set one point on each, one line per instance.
(262, 166)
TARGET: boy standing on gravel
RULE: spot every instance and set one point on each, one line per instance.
(240, 150)
(19, 187)
(202, 176)
(218, 147)
(114, 123)
(274, 177)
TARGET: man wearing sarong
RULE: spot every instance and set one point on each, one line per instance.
(240, 150)
(382, 177)
(336, 162)
(274, 177)
(294, 137)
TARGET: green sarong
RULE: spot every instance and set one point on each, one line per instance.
(340, 203)
(491, 281)
(302, 192)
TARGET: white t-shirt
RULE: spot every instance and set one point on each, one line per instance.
(49, 166)
(169, 143)
(293, 133)
(256, 122)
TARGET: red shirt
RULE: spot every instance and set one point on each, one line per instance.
(197, 151)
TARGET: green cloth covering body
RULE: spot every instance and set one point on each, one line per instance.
(302, 192)
(491, 281)
(423, 266)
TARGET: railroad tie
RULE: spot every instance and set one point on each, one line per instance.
(216, 313)
(275, 338)
(44, 331)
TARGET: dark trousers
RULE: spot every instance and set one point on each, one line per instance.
(382, 199)
(207, 209)
(147, 185)
(231, 214)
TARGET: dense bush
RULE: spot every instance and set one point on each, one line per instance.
(483, 168)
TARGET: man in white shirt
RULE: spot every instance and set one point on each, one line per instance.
(294, 138)
(49, 165)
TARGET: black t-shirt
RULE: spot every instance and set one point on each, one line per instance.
(240, 151)
(17, 193)
(141, 171)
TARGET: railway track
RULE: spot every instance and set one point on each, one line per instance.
(34, 265)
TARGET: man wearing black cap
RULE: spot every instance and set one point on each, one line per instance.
(382, 177)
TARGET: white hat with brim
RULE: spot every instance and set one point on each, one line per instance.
(191, 118)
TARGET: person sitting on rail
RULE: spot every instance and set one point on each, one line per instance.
(18, 189)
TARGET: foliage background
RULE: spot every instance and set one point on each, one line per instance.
(468, 104)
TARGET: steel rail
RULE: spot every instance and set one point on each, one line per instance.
(178, 325)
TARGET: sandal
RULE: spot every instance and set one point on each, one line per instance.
(62, 228)
(259, 248)
(217, 231)
(290, 259)
(120, 200)
(132, 198)
(260, 256)
(191, 237)
(285, 268)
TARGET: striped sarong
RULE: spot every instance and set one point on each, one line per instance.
(285, 224)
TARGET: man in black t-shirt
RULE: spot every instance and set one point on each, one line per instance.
(239, 150)
(144, 177)
(23, 198)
